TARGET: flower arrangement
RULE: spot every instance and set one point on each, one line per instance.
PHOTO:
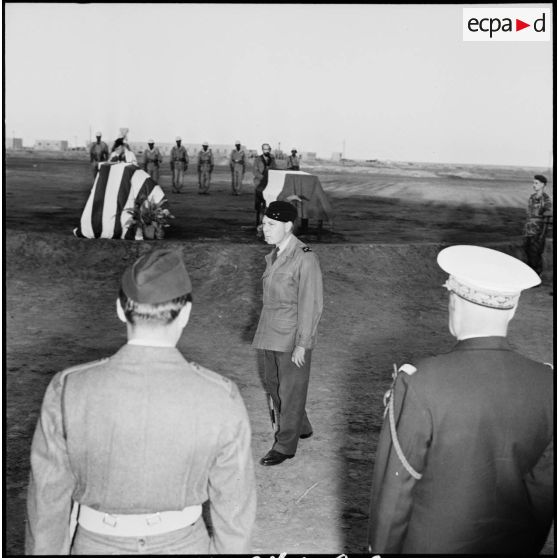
(149, 217)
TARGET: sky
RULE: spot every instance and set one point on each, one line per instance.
(373, 81)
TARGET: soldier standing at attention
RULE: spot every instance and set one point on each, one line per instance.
(98, 153)
(152, 158)
(205, 168)
(465, 459)
(539, 213)
(293, 162)
(237, 163)
(287, 329)
(140, 440)
(262, 164)
(179, 165)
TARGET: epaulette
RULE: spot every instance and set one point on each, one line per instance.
(82, 367)
(210, 375)
(306, 249)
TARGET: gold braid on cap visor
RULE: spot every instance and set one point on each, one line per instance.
(486, 298)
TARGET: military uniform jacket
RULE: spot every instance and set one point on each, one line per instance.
(152, 156)
(99, 152)
(237, 157)
(205, 160)
(539, 208)
(477, 423)
(292, 300)
(179, 155)
(140, 432)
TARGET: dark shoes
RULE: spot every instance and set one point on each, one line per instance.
(306, 436)
(274, 458)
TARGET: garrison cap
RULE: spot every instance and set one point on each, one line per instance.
(237, 142)
(205, 143)
(540, 178)
(486, 277)
(178, 138)
(281, 211)
(150, 141)
(159, 276)
(98, 134)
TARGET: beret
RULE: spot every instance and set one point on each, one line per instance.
(485, 276)
(540, 178)
(159, 276)
(281, 211)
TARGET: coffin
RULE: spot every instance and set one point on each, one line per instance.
(283, 184)
(116, 188)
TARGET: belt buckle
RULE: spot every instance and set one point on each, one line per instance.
(110, 520)
(154, 519)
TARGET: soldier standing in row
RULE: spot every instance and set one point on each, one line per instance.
(142, 439)
(237, 164)
(262, 164)
(293, 161)
(179, 165)
(98, 153)
(205, 168)
(152, 158)
(539, 213)
(465, 459)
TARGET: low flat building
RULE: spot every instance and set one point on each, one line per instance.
(51, 145)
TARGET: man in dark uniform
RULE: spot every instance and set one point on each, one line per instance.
(140, 440)
(292, 307)
(465, 458)
(262, 164)
(539, 213)
(98, 153)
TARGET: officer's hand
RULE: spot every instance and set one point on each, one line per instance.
(298, 356)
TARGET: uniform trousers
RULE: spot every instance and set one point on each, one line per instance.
(237, 173)
(153, 170)
(193, 539)
(204, 179)
(94, 168)
(178, 177)
(534, 249)
(288, 386)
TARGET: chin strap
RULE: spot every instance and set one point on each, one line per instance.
(389, 409)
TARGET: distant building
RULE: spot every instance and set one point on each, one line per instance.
(51, 145)
(336, 156)
(309, 156)
(14, 143)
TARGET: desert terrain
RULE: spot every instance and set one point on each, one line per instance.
(383, 304)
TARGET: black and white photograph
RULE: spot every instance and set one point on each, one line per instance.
(279, 278)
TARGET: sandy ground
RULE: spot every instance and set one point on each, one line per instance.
(383, 303)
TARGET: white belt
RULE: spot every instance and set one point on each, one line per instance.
(132, 525)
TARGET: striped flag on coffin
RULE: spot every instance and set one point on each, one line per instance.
(116, 187)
